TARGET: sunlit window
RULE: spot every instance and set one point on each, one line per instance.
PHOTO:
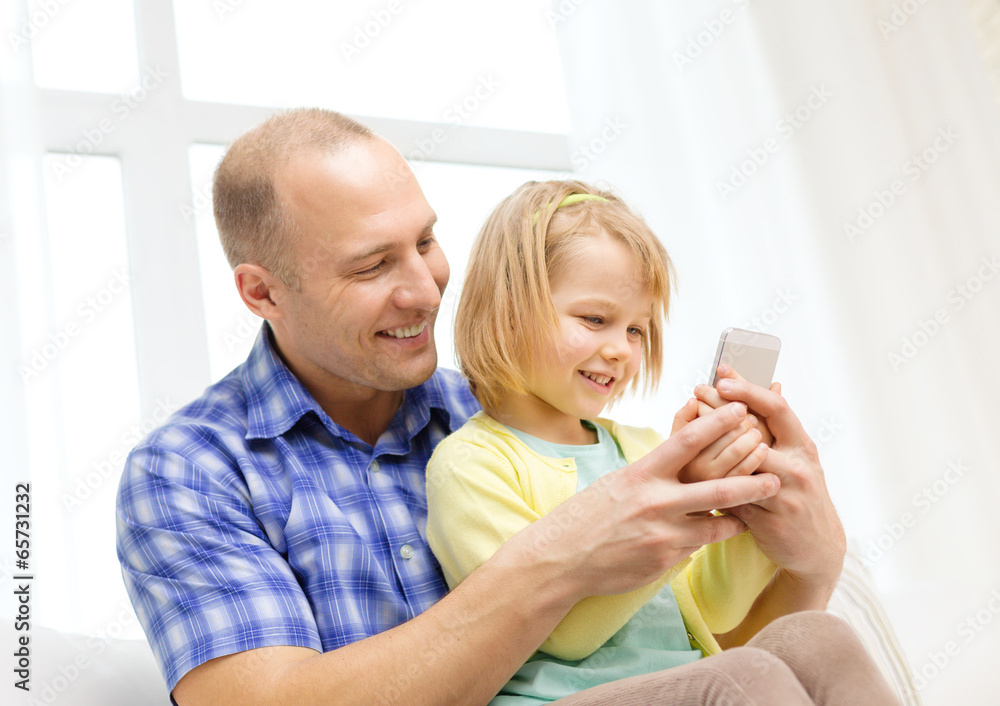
(84, 45)
(450, 61)
(79, 337)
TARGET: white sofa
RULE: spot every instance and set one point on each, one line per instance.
(80, 670)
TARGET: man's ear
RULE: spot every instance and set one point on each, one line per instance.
(257, 288)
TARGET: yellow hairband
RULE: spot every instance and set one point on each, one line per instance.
(569, 200)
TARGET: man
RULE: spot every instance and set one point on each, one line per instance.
(271, 533)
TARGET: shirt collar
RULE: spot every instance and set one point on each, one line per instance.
(276, 399)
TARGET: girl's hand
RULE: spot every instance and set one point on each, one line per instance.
(709, 399)
(738, 452)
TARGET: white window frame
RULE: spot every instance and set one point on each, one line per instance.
(152, 146)
(173, 360)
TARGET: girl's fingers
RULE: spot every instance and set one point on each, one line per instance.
(751, 462)
(710, 396)
(714, 401)
(687, 413)
(719, 459)
(741, 447)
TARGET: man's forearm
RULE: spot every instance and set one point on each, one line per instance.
(784, 594)
(461, 651)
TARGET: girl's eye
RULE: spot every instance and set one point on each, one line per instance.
(635, 331)
(594, 320)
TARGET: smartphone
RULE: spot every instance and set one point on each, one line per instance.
(752, 354)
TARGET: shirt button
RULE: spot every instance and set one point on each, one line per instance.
(374, 467)
(406, 551)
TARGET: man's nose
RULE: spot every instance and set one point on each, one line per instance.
(417, 288)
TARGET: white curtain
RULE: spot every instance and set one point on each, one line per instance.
(828, 172)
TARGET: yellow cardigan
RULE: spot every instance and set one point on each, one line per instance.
(484, 485)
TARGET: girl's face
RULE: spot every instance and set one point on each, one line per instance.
(604, 312)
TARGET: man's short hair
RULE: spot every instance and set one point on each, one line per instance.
(254, 225)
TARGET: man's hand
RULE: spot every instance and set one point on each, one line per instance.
(798, 529)
(633, 525)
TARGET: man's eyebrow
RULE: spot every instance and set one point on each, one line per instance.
(380, 248)
(370, 252)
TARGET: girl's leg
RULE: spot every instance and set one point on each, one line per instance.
(828, 659)
(742, 676)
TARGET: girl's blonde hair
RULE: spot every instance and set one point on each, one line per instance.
(506, 305)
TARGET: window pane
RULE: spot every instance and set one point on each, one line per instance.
(81, 387)
(84, 45)
(232, 329)
(448, 61)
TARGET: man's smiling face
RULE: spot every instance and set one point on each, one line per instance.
(371, 272)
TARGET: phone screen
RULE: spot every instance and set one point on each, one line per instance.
(752, 354)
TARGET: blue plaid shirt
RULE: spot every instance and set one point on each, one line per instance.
(251, 519)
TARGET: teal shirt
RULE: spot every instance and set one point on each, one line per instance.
(654, 639)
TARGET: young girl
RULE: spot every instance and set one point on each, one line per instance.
(561, 313)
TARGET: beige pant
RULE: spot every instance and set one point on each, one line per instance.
(803, 658)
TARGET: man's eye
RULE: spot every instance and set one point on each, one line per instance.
(374, 269)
